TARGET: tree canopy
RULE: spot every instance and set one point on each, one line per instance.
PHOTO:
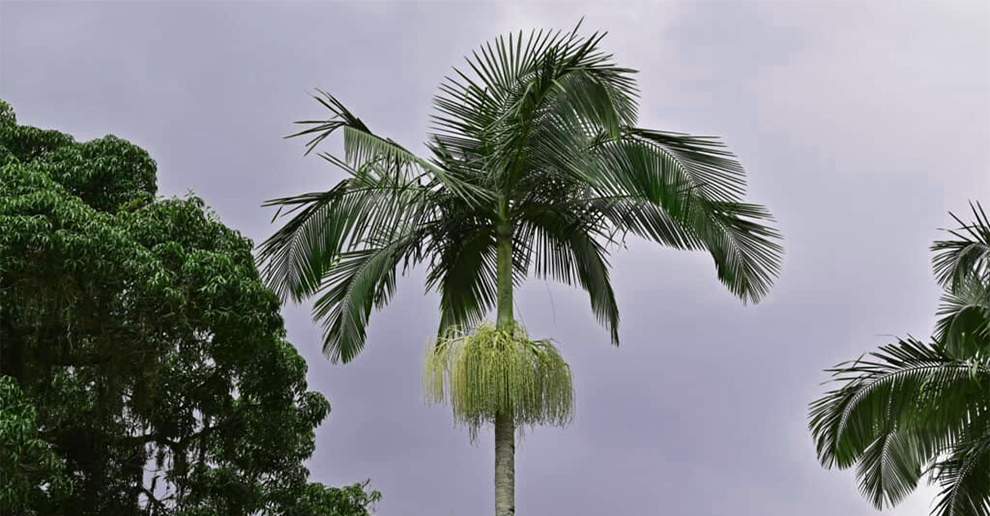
(536, 166)
(923, 407)
(144, 364)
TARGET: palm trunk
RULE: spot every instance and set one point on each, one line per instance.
(505, 444)
(505, 466)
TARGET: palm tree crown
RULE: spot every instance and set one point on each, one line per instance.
(923, 407)
(535, 166)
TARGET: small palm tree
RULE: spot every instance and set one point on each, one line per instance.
(536, 166)
(923, 407)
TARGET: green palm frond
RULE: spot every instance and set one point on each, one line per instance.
(896, 413)
(363, 148)
(745, 247)
(319, 130)
(358, 282)
(489, 120)
(890, 467)
(967, 255)
(679, 177)
(562, 249)
(894, 389)
(746, 250)
(464, 274)
(964, 476)
(963, 326)
(712, 169)
(324, 224)
(962, 266)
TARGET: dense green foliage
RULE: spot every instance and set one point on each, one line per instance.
(923, 407)
(536, 166)
(144, 366)
(32, 475)
(489, 371)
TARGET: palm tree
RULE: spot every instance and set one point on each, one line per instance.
(923, 407)
(535, 166)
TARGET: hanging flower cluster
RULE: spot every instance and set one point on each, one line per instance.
(487, 371)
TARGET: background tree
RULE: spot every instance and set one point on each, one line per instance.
(536, 166)
(923, 407)
(143, 366)
(32, 474)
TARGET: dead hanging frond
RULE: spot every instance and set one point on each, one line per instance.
(487, 371)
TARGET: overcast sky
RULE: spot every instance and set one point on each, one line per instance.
(861, 125)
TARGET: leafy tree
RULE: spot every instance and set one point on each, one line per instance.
(536, 166)
(319, 500)
(143, 366)
(922, 407)
(33, 475)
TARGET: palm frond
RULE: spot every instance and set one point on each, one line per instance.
(358, 282)
(745, 248)
(632, 215)
(362, 147)
(319, 130)
(712, 169)
(905, 406)
(963, 326)
(464, 272)
(324, 224)
(968, 254)
(562, 248)
(964, 476)
(669, 171)
(891, 466)
(489, 117)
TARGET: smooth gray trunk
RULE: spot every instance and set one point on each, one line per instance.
(505, 466)
(505, 439)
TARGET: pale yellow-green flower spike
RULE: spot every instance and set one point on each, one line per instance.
(486, 371)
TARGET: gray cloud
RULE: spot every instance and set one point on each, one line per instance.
(860, 124)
